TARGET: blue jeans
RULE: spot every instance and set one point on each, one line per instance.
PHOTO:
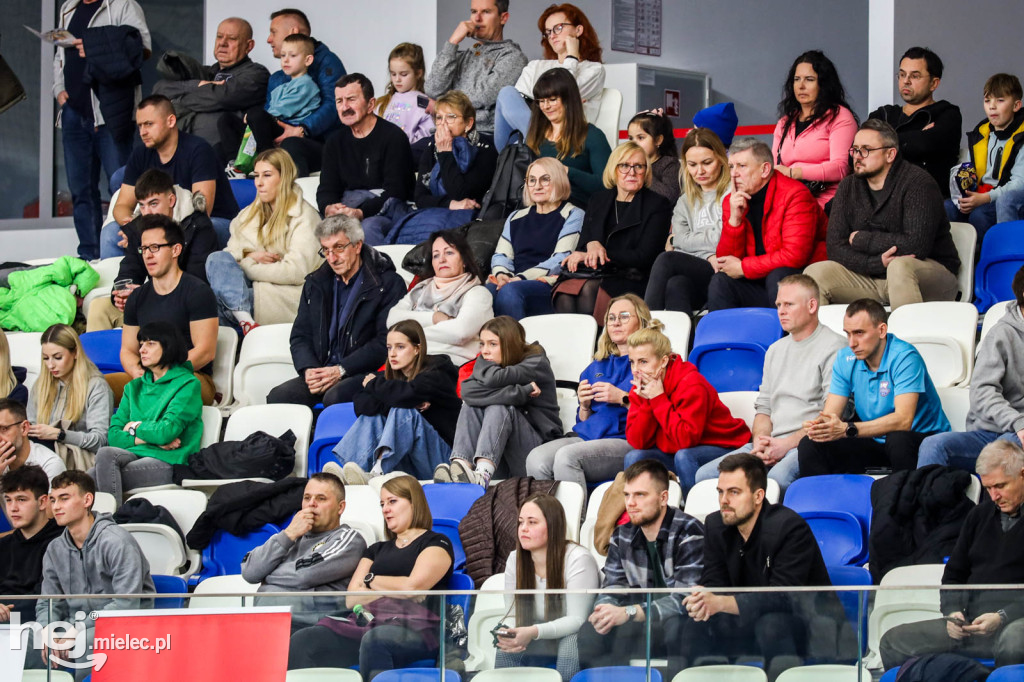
(783, 472)
(1008, 206)
(87, 147)
(521, 298)
(109, 237)
(684, 462)
(229, 283)
(404, 441)
(958, 449)
(511, 113)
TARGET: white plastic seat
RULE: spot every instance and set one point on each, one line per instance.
(975, 490)
(721, 673)
(571, 495)
(396, 252)
(703, 497)
(993, 315)
(898, 607)
(162, 547)
(568, 340)
(264, 362)
(213, 420)
(956, 403)
(824, 673)
(944, 333)
(568, 404)
(323, 675)
(41, 676)
(104, 503)
(525, 672)
(185, 506)
(212, 592)
(362, 503)
(26, 351)
(965, 238)
(677, 328)
(488, 611)
(224, 364)
(309, 185)
(107, 269)
(741, 404)
(607, 119)
(832, 316)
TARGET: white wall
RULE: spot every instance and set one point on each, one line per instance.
(361, 33)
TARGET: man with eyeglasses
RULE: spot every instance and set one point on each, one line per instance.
(171, 296)
(929, 130)
(16, 450)
(888, 234)
(490, 63)
(367, 169)
(341, 328)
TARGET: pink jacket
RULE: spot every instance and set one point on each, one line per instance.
(822, 151)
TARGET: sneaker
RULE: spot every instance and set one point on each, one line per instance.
(462, 471)
(334, 468)
(481, 478)
(247, 327)
(352, 474)
(234, 174)
(442, 473)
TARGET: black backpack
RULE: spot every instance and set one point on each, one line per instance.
(506, 192)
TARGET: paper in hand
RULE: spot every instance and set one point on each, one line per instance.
(58, 36)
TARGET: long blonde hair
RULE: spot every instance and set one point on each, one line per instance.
(704, 137)
(605, 346)
(273, 220)
(7, 380)
(77, 384)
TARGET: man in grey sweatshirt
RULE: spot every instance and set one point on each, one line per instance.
(315, 553)
(93, 556)
(490, 64)
(997, 393)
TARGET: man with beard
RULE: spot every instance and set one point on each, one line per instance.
(753, 543)
(888, 234)
(659, 547)
(315, 553)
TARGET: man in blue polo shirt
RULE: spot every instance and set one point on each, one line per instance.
(893, 396)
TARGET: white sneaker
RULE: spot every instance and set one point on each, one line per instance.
(352, 474)
(442, 473)
(334, 468)
(462, 471)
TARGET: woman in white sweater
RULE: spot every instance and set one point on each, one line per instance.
(258, 277)
(545, 629)
(570, 43)
(451, 303)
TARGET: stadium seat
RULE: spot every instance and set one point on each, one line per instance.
(617, 673)
(1008, 673)
(213, 421)
(451, 500)
(729, 346)
(264, 362)
(894, 607)
(107, 269)
(47, 676)
(513, 675)
(993, 315)
(26, 352)
(104, 349)
(572, 496)
(1002, 255)
(224, 365)
(309, 186)
(416, 675)
(244, 190)
(362, 503)
(890, 675)
(740, 404)
(965, 238)
(824, 673)
(607, 119)
(104, 503)
(832, 316)
(974, 490)
(396, 252)
(838, 509)
(224, 554)
(213, 592)
(720, 673)
(487, 613)
(332, 424)
(323, 674)
(568, 340)
(944, 333)
(855, 604)
(703, 497)
(956, 402)
(161, 545)
(464, 583)
(169, 584)
(678, 326)
(185, 506)
(450, 529)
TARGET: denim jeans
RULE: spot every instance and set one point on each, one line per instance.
(118, 470)
(1009, 206)
(577, 460)
(386, 647)
(958, 449)
(87, 148)
(377, 227)
(783, 472)
(521, 298)
(511, 113)
(109, 237)
(684, 462)
(404, 441)
(229, 283)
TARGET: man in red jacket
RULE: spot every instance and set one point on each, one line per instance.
(772, 227)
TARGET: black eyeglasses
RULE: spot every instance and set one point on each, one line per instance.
(555, 30)
(627, 168)
(336, 251)
(152, 248)
(863, 152)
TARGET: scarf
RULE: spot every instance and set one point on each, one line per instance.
(442, 294)
(465, 154)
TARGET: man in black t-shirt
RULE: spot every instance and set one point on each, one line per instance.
(188, 159)
(170, 296)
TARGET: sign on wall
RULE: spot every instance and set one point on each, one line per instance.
(636, 26)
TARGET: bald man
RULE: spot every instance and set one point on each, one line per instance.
(211, 104)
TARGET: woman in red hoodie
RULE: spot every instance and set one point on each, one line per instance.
(675, 415)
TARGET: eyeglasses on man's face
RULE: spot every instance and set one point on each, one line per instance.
(864, 152)
(334, 251)
(152, 248)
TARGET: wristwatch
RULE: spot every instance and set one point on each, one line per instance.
(61, 435)
(631, 612)
(625, 400)
(368, 578)
(131, 431)
(851, 430)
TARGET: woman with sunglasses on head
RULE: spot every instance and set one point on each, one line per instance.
(534, 242)
(623, 232)
(570, 43)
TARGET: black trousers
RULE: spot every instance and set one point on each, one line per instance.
(625, 642)
(855, 455)
(770, 635)
(678, 281)
(724, 292)
(306, 152)
(295, 392)
(264, 128)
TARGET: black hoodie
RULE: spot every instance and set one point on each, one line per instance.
(21, 566)
(937, 149)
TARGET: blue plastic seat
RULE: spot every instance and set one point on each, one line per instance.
(224, 554)
(461, 581)
(838, 510)
(890, 675)
(417, 675)
(450, 528)
(1008, 673)
(5, 525)
(729, 347)
(617, 673)
(244, 190)
(104, 349)
(1002, 255)
(169, 584)
(451, 500)
(332, 424)
(855, 604)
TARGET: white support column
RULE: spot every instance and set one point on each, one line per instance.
(881, 52)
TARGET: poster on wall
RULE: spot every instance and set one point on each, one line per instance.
(636, 26)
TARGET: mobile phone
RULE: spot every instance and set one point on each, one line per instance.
(505, 633)
(955, 620)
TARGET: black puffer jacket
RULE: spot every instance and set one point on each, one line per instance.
(916, 517)
(242, 507)
(113, 71)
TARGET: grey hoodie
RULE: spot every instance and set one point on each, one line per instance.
(480, 72)
(110, 562)
(997, 385)
(492, 384)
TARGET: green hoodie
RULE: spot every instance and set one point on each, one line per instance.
(168, 408)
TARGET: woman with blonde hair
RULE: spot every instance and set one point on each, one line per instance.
(71, 403)
(12, 379)
(534, 242)
(680, 276)
(258, 277)
(597, 446)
